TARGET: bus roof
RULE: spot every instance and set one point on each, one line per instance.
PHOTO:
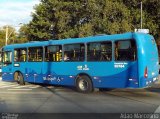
(128, 35)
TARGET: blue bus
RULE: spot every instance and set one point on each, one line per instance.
(128, 60)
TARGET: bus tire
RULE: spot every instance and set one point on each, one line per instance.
(19, 78)
(84, 84)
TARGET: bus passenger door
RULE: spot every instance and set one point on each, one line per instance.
(126, 65)
(35, 64)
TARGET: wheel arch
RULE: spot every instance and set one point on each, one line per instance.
(19, 72)
(83, 73)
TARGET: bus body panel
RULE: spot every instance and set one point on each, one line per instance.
(110, 74)
(148, 58)
(59, 74)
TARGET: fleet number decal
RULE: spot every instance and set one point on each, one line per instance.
(120, 65)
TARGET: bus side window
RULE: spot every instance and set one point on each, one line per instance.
(125, 50)
(93, 51)
(106, 51)
(53, 53)
(74, 52)
(133, 51)
(7, 57)
(99, 51)
(20, 55)
(35, 54)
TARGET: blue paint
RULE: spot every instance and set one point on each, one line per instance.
(103, 74)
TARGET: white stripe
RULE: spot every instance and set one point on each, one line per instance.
(158, 109)
(25, 92)
(26, 86)
(1, 84)
(17, 86)
(20, 89)
(4, 82)
(5, 85)
(9, 86)
(50, 87)
(155, 112)
(34, 86)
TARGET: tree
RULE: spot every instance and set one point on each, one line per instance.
(58, 19)
(151, 14)
(152, 7)
(22, 36)
(11, 35)
(2, 38)
(71, 18)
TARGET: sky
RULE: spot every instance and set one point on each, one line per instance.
(15, 12)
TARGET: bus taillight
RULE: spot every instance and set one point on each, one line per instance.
(146, 72)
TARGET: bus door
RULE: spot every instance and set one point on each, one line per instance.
(52, 63)
(7, 73)
(126, 65)
(20, 59)
(35, 64)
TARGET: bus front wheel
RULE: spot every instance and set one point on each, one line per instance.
(19, 78)
(84, 84)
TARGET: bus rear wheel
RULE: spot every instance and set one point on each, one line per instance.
(19, 78)
(84, 84)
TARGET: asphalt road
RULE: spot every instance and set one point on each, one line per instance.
(38, 99)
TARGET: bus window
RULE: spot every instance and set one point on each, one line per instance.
(125, 50)
(35, 54)
(7, 57)
(20, 55)
(53, 53)
(99, 51)
(74, 52)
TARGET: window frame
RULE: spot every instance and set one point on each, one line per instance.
(23, 54)
(56, 51)
(11, 57)
(35, 53)
(84, 58)
(136, 53)
(100, 42)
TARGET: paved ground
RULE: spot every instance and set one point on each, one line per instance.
(36, 99)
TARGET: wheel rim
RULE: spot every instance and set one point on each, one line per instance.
(16, 76)
(83, 84)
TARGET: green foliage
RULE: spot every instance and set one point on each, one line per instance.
(13, 36)
(151, 14)
(2, 38)
(58, 19)
(55, 19)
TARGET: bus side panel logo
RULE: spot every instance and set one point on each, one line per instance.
(84, 68)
